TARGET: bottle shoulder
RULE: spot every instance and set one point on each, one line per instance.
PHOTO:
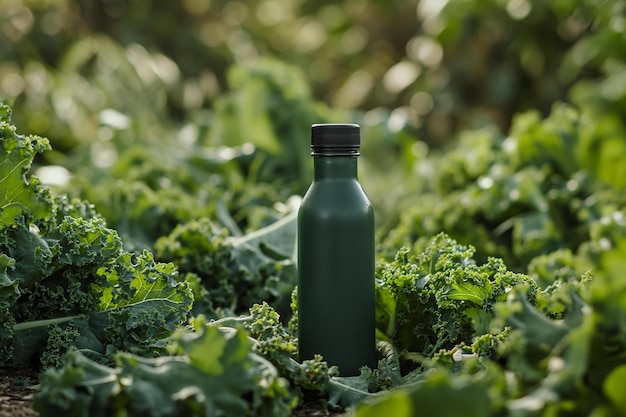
(339, 189)
(337, 196)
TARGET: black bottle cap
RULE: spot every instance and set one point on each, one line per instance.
(335, 139)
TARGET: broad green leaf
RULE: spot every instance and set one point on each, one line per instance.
(32, 254)
(19, 193)
(438, 395)
(206, 349)
(465, 291)
(347, 391)
(276, 240)
(397, 404)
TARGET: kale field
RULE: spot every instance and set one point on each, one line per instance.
(153, 158)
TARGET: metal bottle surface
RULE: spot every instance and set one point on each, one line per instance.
(336, 316)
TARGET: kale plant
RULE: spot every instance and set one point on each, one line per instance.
(439, 298)
(65, 280)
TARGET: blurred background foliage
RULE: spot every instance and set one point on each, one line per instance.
(439, 66)
(159, 109)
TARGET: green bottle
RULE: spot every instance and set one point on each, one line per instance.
(336, 316)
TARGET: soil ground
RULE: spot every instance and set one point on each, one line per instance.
(16, 394)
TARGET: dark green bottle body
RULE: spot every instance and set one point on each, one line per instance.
(336, 310)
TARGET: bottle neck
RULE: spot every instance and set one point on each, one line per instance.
(334, 167)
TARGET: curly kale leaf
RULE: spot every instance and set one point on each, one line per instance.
(143, 301)
(8, 295)
(22, 201)
(279, 346)
(56, 272)
(80, 277)
(200, 247)
(236, 272)
(310, 378)
(21, 195)
(559, 351)
(441, 297)
(65, 280)
(529, 364)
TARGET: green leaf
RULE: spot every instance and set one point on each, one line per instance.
(613, 388)
(206, 350)
(438, 394)
(214, 373)
(32, 254)
(58, 394)
(278, 240)
(236, 272)
(433, 296)
(466, 291)
(20, 195)
(6, 263)
(398, 403)
(348, 391)
(141, 303)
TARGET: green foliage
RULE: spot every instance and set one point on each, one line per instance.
(540, 199)
(149, 192)
(127, 304)
(559, 353)
(194, 152)
(233, 366)
(236, 271)
(442, 66)
(441, 297)
(21, 195)
(438, 394)
(536, 191)
(266, 99)
(200, 247)
(145, 177)
(279, 346)
(67, 282)
(273, 341)
(212, 372)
